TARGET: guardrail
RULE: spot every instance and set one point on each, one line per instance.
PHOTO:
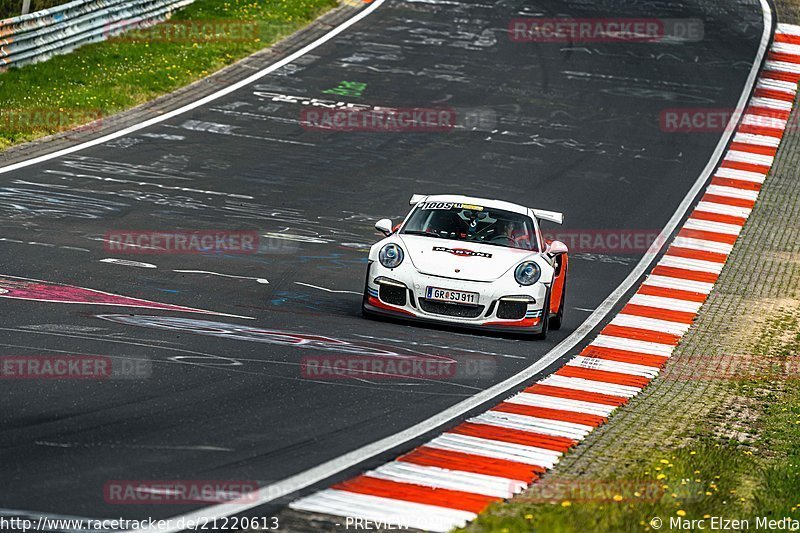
(40, 35)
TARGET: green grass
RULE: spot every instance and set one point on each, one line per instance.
(118, 74)
(711, 477)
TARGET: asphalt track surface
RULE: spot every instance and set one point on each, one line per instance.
(568, 127)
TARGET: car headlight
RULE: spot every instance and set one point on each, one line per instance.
(527, 273)
(391, 256)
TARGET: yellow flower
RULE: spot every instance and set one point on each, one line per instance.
(617, 497)
(664, 462)
(680, 512)
(661, 476)
(566, 503)
(528, 517)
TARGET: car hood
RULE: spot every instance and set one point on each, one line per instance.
(461, 260)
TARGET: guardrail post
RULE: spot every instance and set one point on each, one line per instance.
(39, 35)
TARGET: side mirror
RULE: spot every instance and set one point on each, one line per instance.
(384, 225)
(557, 248)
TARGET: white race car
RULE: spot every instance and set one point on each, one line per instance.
(469, 262)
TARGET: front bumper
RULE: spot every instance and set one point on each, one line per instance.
(503, 305)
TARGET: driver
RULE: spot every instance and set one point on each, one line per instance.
(512, 231)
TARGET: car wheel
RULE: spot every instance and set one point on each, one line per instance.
(556, 321)
(364, 312)
(545, 321)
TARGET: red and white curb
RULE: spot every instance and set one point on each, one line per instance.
(449, 480)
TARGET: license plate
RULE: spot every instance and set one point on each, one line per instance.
(447, 295)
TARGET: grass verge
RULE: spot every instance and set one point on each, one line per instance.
(712, 479)
(100, 79)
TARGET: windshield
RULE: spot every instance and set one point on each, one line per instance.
(472, 223)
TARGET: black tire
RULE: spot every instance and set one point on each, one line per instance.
(558, 318)
(364, 312)
(545, 315)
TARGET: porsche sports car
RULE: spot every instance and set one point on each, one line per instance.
(469, 262)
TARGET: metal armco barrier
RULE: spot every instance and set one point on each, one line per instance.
(40, 35)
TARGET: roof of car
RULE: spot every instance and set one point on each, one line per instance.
(484, 202)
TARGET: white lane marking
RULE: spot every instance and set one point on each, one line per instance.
(714, 227)
(702, 244)
(62, 173)
(588, 385)
(564, 404)
(749, 157)
(673, 304)
(125, 262)
(297, 238)
(633, 345)
(614, 366)
(530, 424)
(786, 48)
(723, 209)
(497, 449)
(432, 345)
(744, 175)
(350, 459)
(654, 324)
(781, 66)
(326, 290)
(201, 102)
(698, 265)
(720, 190)
(398, 513)
(788, 87)
(667, 282)
(787, 29)
(257, 280)
(440, 478)
(771, 103)
(200, 448)
(17, 241)
(758, 140)
(164, 136)
(752, 119)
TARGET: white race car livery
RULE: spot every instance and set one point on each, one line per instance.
(469, 262)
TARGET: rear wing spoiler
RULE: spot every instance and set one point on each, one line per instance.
(550, 216)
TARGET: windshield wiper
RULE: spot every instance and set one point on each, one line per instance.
(417, 232)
